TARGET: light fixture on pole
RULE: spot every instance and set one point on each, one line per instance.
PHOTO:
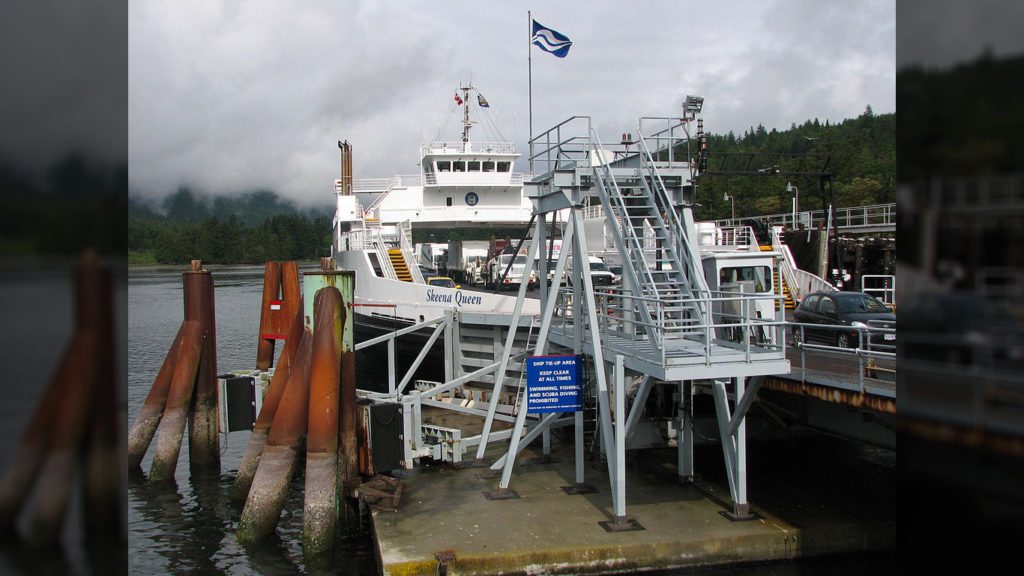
(796, 200)
(692, 106)
(733, 200)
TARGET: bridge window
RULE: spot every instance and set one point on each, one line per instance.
(458, 166)
(761, 276)
(504, 166)
(474, 166)
(489, 166)
(444, 166)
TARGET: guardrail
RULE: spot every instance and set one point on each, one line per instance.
(969, 380)
(873, 215)
(858, 359)
(733, 323)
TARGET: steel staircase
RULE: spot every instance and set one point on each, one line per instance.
(398, 263)
(778, 282)
(661, 265)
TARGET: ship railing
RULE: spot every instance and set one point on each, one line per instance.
(468, 148)
(731, 237)
(733, 323)
(474, 179)
(383, 186)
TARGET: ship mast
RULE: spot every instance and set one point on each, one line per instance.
(466, 124)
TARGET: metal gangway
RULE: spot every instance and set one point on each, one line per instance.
(664, 325)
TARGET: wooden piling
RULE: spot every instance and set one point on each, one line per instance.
(203, 444)
(258, 437)
(320, 512)
(172, 425)
(277, 463)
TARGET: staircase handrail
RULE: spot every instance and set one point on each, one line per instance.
(794, 277)
(684, 243)
(404, 229)
(382, 253)
(653, 333)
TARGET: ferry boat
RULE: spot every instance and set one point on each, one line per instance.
(460, 184)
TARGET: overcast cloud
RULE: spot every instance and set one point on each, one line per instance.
(230, 96)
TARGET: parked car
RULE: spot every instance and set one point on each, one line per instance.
(442, 281)
(854, 309)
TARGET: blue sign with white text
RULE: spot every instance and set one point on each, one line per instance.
(553, 384)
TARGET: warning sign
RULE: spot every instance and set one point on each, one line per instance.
(553, 384)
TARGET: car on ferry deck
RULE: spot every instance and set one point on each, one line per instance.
(442, 281)
(853, 309)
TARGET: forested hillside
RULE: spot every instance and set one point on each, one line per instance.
(963, 121)
(246, 228)
(862, 153)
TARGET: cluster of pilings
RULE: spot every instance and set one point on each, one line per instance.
(184, 391)
(311, 398)
(309, 406)
(74, 432)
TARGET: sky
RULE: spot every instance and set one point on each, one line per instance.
(227, 97)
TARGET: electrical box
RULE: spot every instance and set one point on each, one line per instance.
(239, 402)
(383, 425)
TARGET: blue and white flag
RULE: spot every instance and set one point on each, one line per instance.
(550, 41)
(482, 101)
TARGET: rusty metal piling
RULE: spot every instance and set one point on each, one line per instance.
(348, 445)
(203, 445)
(172, 424)
(277, 463)
(152, 410)
(281, 299)
(258, 436)
(320, 513)
(70, 409)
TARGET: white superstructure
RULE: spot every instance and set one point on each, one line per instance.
(460, 184)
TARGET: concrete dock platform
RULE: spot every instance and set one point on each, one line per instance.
(812, 496)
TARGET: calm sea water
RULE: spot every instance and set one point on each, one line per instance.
(189, 528)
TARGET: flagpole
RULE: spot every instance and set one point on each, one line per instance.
(529, 59)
